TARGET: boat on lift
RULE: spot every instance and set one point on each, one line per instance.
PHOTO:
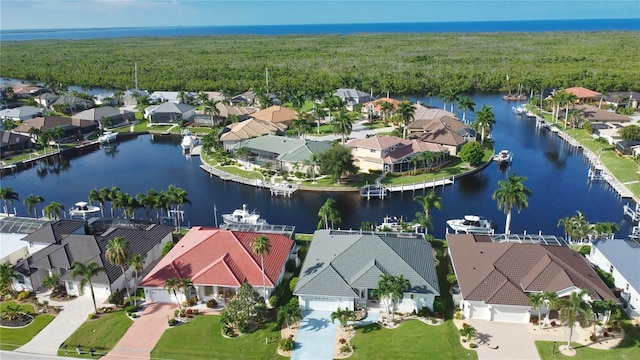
(243, 216)
(471, 224)
(82, 210)
(503, 157)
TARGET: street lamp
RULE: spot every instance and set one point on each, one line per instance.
(554, 348)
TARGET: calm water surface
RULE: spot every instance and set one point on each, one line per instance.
(556, 173)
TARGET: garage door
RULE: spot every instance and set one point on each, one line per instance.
(509, 315)
(480, 312)
(321, 304)
(159, 295)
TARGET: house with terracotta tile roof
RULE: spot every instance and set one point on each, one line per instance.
(342, 269)
(621, 258)
(70, 127)
(217, 262)
(374, 108)
(248, 129)
(584, 95)
(276, 114)
(394, 154)
(442, 130)
(497, 278)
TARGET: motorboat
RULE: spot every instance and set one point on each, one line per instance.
(373, 190)
(243, 216)
(107, 137)
(188, 141)
(471, 224)
(394, 223)
(82, 210)
(503, 157)
(519, 110)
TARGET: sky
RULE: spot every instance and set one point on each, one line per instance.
(66, 14)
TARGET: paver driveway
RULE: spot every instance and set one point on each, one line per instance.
(316, 336)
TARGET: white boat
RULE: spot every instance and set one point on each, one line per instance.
(519, 109)
(242, 216)
(503, 157)
(107, 137)
(471, 224)
(394, 223)
(188, 141)
(373, 190)
(83, 210)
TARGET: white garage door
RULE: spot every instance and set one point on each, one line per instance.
(509, 315)
(321, 304)
(159, 295)
(480, 311)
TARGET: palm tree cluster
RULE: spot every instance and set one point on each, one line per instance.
(328, 214)
(52, 211)
(390, 289)
(578, 229)
(151, 200)
(428, 201)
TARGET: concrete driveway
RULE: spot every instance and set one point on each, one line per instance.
(73, 314)
(144, 334)
(514, 341)
(316, 336)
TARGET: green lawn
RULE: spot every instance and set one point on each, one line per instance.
(234, 170)
(11, 339)
(412, 340)
(628, 349)
(101, 334)
(201, 339)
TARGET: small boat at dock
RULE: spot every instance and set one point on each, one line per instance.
(397, 224)
(107, 137)
(82, 210)
(471, 224)
(188, 142)
(503, 157)
(243, 216)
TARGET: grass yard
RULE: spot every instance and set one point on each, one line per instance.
(201, 338)
(629, 348)
(412, 340)
(11, 339)
(234, 170)
(101, 334)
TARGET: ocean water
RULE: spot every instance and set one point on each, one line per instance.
(431, 27)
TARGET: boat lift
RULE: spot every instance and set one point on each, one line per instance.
(633, 213)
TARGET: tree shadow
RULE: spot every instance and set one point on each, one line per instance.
(313, 324)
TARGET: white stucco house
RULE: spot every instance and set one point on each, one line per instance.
(342, 269)
(621, 258)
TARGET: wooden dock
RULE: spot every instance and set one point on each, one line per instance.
(422, 185)
(283, 189)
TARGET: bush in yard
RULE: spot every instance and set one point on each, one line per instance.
(439, 306)
(131, 308)
(247, 306)
(472, 152)
(292, 283)
(273, 300)
(345, 348)
(166, 248)
(23, 295)
(425, 312)
(473, 346)
(212, 303)
(173, 322)
(286, 344)
(91, 316)
(116, 298)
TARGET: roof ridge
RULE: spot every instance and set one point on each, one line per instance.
(571, 271)
(208, 267)
(234, 269)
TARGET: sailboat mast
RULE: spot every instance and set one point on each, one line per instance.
(508, 84)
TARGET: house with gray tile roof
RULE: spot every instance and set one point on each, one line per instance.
(169, 112)
(75, 240)
(116, 116)
(21, 113)
(351, 97)
(342, 269)
(497, 278)
(621, 258)
(283, 152)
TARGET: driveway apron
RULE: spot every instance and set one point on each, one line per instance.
(144, 334)
(73, 314)
(316, 337)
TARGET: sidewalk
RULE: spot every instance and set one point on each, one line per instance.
(73, 314)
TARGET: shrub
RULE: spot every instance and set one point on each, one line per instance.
(425, 312)
(342, 341)
(131, 308)
(273, 300)
(212, 303)
(91, 316)
(116, 298)
(286, 344)
(592, 337)
(290, 266)
(133, 315)
(173, 322)
(23, 295)
(439, 306)
(176, 313)
(228, 330)
(473, 346)
(345, 348)
(292, 283)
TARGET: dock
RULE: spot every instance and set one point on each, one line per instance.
(422, 185)
(633, 213)
(283, 189)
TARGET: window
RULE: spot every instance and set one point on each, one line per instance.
(31, 244)
(611, 269)
(70, 285)
(20, 279)
(208, 291)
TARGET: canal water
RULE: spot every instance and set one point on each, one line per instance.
(556, 174)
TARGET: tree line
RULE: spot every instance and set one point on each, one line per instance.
(399, 63)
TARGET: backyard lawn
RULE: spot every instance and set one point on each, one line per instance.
(628, 349)
(412, 340)
(11, 339)
(201, 338)
(101, 334)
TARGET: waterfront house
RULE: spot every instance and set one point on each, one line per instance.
(393, 154)
(352, 97)
(169, 113)
(217, 262)
(497, 278)
(46, 99)
(342, 270)
(428, 113)
(374, 108)
(621, 99)
(158, 97)
(248, 129)
(116, 116)
(21, 113)
(242, 113)
(621, 259)
(276, 114)
(23, 91)
(283, 153)
(131, 96)
(71, 104)
(247, 98)
(11, 141)
(593, 114)
(77, 240)
(442, 130)
(628, 147)
(71, 127)
(584, 95)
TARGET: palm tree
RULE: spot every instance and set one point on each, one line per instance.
(605, 229)
(582, 229)
(510, 193)
(537, 300)
(301, 124)
(95, 195)
(186, 284)
(468, 331)
(148, 201)
(568, 225)
(466, 103)
(386, 108)
(570, 98)
(31, 201)
(406, 112)
(87, 272)
(262, 246)
(429, 201)
(597, 308)
(550, 302)
(485, 119)
(342, 315)
(118, 253)
(177, 196)
(8, 196)
(57, 132)
(53, 210)
(557, 99)
(608, 306)
(51, 281)
(136, 263)
(172, 285)
(289, 314)
(6, 277)
(211, 108)
(325, 212)
(574, 308)
(112, 195)
(396, 291)
(342, 124)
